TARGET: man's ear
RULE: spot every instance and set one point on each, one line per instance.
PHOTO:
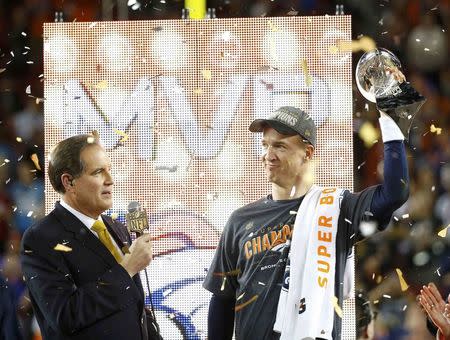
(67, 181)
(309, 152)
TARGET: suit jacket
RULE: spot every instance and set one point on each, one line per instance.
(82, 293)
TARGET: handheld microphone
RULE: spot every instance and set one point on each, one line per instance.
(137, 222)
(136, 218)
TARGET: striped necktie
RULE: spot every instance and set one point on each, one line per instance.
(104, 236)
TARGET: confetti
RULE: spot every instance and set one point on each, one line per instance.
(28, 89)
(308, 78)
(35, 160)
(198, 91)
(222, 287)
(206, 74)
(336, 306)
(101, 85)
(234, 272)
(240, 296)
(403, 285)
(272, 26)
(292, 192)
(114, 216)
(443, 232)
(123, 134)
(19, 139)
(92, 24)
(368, 133)
(364, 43)
(62, 247)
(2, 70)
(434, 129)
(237, 308)
(167, 292)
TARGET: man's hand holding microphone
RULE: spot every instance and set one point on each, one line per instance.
(141, 251)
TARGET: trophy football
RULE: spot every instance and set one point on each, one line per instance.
(379, 81)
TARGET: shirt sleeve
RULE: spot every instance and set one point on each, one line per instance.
(377, 203)
(222, 275)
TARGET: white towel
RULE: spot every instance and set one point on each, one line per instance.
(305, 308)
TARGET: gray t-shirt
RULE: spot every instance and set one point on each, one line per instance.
(251, 257)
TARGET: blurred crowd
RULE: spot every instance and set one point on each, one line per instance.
(391, 266)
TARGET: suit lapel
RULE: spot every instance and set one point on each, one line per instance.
(80, 232)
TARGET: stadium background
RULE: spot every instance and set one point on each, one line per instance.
(416, 31)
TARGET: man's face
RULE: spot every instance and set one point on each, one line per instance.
(284, 157)
(91, 193)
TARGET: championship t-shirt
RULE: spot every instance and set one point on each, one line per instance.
(250, 259)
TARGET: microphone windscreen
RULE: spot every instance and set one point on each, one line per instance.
(133, 206)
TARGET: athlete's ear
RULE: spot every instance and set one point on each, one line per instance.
(309, 152)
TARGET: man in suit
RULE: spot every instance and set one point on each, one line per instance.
(83, 280)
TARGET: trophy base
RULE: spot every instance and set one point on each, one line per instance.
(402, 107)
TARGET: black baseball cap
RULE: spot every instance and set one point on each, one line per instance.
(289, 120)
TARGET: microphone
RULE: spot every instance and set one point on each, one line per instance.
(137, 222)
(136, 218)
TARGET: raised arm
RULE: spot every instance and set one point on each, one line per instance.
(394, 190)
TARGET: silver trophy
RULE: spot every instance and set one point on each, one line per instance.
(379, 80)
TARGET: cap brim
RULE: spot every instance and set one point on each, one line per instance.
(258, 125)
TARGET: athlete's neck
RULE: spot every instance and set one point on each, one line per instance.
(280, 193)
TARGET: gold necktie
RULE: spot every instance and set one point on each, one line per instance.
(104, 236)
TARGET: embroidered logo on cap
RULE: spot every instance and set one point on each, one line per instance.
(285, 117)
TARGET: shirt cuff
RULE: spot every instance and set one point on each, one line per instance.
(389, 129)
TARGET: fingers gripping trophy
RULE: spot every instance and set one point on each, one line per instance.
(380, 81)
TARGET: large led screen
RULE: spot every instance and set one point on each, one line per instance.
(172, 101)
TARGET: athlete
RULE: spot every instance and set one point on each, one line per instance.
(278, 270)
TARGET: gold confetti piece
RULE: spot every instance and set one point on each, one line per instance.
(114, 216)
(237, 308)
(206, 74)
(403, 285)
(62, 247)
(101, 85)
(90, 140)
(272, 26)
(35, 160)
(19, 139)
(336, 306)
(443, 232)
(364, 43)
(434, 129)
(198, 91)
(234, 272)
(368, 133)
(308, 78)
(333, 49)
(123, 134)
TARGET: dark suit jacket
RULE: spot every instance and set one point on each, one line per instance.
(83, 293)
